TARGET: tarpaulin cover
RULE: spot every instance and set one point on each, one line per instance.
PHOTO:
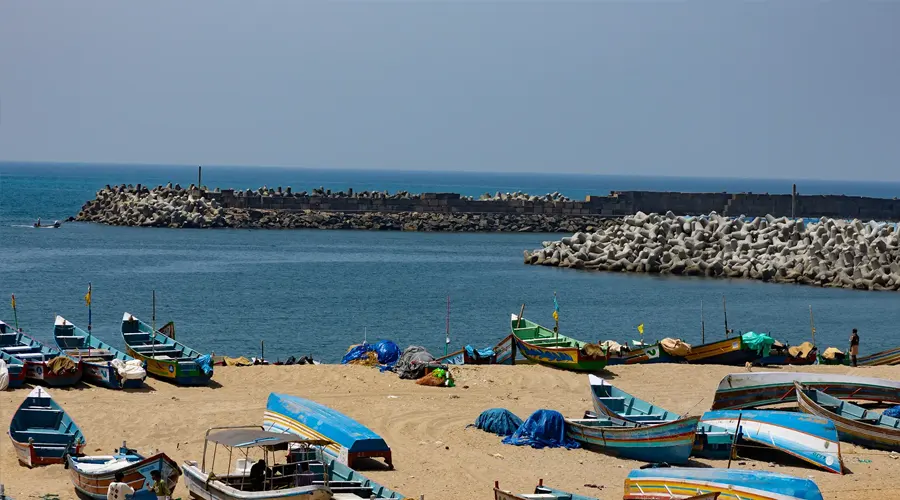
(205, 363)
(4, 375)
(675, 347)
(357, 352)
(411, 364)
(833, 353)
(388, 352)
(802, 350)
(759, 342)
(61, 364)
(479, 353)
(499, 421)
(544, 428)
(893, 411)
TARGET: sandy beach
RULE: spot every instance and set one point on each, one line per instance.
(434, 454)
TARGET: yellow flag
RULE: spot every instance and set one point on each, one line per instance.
(13, 301)
(87, 298)
(555, 316)
(641, 328)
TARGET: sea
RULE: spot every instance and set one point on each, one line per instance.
(315, 293)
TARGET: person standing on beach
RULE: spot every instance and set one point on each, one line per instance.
(854, 347)
(119, 489)
(159, 486)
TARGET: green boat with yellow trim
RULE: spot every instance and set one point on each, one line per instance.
(165, 358)
(544, 346)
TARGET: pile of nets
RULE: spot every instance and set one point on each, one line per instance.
(412, 362)
(759, 342)
(893, 411)
(499, 421)
(384, 353)
(543, 429)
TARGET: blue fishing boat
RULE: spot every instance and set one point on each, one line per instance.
(164, 357)
(668, 483)
(15, 371)
(350, 440)
(103, 364)
(41, 364)
(854, 424)
(669, 442)
(812, 439)
(42, 433)
(92, 475)
(613, 402)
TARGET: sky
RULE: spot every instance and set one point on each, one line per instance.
(727, 89)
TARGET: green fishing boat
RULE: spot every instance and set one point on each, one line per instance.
(544, 346)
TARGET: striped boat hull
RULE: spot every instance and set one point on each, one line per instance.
(648, 354)
(731, 484)
(749, 390)
(723, 352)
(136, 475)
(670, 442)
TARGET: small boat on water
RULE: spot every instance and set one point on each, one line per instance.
(669, 483)
(854, 424)
(42, 364)
(544, 346)
(92, 475)
(42, 433)
(754, 389)
(811, 439)
(163, 357)
(669, 442)
(348, 439)
(103, 364)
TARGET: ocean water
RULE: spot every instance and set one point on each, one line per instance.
(316, 292)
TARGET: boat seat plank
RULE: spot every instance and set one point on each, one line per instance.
(66, 337)
(30, 355)
(19, 348)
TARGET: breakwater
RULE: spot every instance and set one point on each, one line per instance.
(829, 252)
(175, 206)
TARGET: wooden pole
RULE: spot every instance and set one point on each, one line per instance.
(199, 176)
(812, 326)
(90, 300)
(737, 431)
(262, 351)
(725, 311)
(447, 342)
(702, 324)
(153, 326)
(15, 314)
(521, 313)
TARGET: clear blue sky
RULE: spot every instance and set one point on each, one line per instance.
(787, 89)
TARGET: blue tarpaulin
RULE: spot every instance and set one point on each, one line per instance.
(205, 363)
(544, 428)
(759, 342)
(499, 421)
(479, 353)
(388, 352)
(893, 411)
(357, 352)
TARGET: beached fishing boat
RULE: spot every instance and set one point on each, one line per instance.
(811, 439)
(42, 433)
(540, 491)
(782, 354)
(349, 440)
(42, 364)
(92, 475)
(15, 371)
(754, 389)
(540, 345)
(670, 483)
(670, 442)
(297, 478)
(641, 353)
(854, 424)
(103, 364)
(501, 354)
(163, 357)
(724, 352)
(611, 401)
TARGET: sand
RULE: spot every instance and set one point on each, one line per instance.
(434, 454)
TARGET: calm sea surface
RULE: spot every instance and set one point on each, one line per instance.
(315, 292)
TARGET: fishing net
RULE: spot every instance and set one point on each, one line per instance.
(357, 352)
(543, 429)
(412, 362)
(367, 359)
(499, 421)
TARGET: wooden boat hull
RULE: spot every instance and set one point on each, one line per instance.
(754, 389)
(569, 356)
(724, 352)
(540, 489)
(888, 357)
(171, 371)
(649, 354)
(96, 356)
(883, 434)
(670, 483)
(106, 375)
(350, 439)
(16, 375)
(182, 370)
(137, 475)
(503, 355)
(613, 402)
(37, 372)
(811, 439)
(42, 433)
(201, 486)
(670, 442)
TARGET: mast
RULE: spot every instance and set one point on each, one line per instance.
(15, 314)
(725, 311)
(88, 300)
(153, 324)
(447, 342)
(702, 324)
(812, 326)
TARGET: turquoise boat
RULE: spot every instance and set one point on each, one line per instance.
(347, 439)
(40, 363)
(42, 432)
(669, 442)
(540, 491)
(854, 424)
(103, 364)
(730, 484)
(164, 357)
(544, 346)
